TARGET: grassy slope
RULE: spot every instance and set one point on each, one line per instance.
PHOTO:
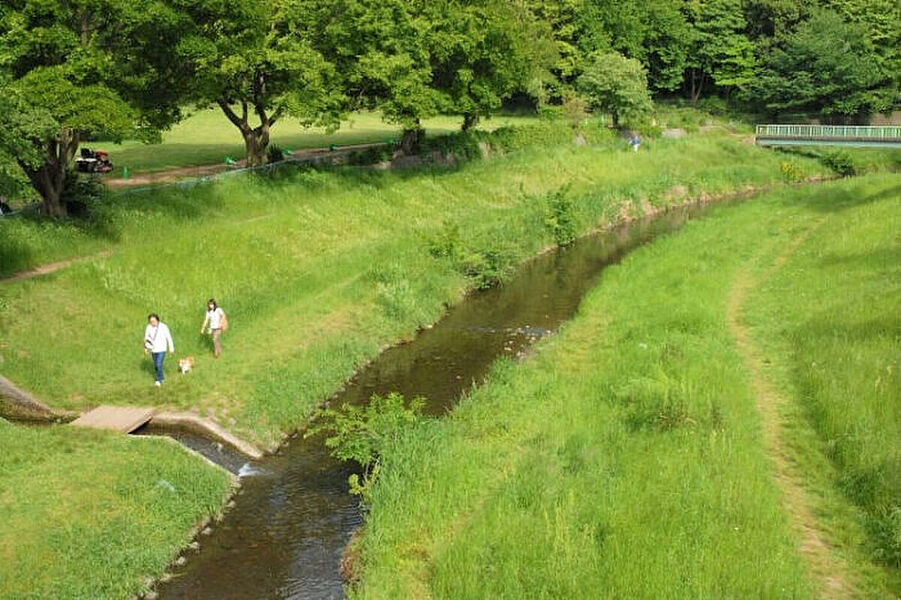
(625, 459)
(316, 270)
(90, 514)
(207, 137)
(832, 316)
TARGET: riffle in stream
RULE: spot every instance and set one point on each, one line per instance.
(293, 516)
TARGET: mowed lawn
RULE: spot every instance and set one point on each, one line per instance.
(207, 137)
(631, 456)
(316, 270)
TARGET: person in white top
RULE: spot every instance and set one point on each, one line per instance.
(157, 340)
(216, 319)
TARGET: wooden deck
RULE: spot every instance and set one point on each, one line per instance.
(119, 418)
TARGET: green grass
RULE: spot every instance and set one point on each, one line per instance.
(90, 514)
(625, 458)
(317, 270)
(207, 137)
(832, 315)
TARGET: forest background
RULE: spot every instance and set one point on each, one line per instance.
(71, 72)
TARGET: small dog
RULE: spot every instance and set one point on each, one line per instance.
(186, 364)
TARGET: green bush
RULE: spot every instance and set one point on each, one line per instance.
(371, 156)
(841, 162)
(275, 154)
(363, 433)
(559, 218)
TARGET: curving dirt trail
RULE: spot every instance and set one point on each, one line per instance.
(829, 571)
(55, 266)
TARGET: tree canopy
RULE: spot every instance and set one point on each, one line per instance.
(617, 85)
(83, 69)
(78, 69)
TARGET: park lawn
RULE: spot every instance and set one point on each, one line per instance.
(317, 270)
(93, 514)
(625, 458)
(206, 137)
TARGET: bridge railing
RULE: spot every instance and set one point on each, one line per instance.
(838, 132)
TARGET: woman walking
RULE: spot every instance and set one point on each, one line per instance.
(157, 339)
(217, 321)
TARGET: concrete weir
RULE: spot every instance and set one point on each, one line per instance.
(205, 428)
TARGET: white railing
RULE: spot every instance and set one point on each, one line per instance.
(868, 132)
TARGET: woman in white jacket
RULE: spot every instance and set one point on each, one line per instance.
(157, 339)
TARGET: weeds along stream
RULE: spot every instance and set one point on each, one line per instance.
(293, 516)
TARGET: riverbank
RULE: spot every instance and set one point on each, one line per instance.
(317, 270)
(635, 450)
(94, 514)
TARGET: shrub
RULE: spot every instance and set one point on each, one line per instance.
(841, 162)
(559, 217)
(371, 156)
(486, 267)
(275, 154)
(81, 193)
(363, 434)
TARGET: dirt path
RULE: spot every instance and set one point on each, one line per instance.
(56, 266)
(830, 572)
(170, 175)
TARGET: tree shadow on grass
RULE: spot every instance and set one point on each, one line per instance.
(835, 200)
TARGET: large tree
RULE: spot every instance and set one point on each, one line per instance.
(261, 61)
(720, 51)
(617, 85)
(483, 52)
(82, 68)
(825, 66)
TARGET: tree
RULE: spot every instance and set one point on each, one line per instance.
(483, 52)
(259, 62)
(826, 66)
(617, 85)
(78, 69)
(720, 51)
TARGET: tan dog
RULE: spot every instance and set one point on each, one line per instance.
(186, 364)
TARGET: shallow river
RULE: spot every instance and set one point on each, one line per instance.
(293, 516)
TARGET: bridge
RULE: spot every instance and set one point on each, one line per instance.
(882, 136)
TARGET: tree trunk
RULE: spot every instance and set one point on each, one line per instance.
(470, 120)
(411, 140)
(49, 179)
(698, 78)
(256, 145)
(256, 139)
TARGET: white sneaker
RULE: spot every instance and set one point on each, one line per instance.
(157, 383)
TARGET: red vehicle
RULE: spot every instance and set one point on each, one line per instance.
(93, 161)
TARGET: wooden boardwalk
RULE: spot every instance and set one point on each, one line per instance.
(119, 418)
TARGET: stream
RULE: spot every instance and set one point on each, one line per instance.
(293, 515)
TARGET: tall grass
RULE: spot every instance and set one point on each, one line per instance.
(625, 458)
(91, 514)
(317, 270)
(832, 316)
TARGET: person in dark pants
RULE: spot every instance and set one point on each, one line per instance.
(157, 339)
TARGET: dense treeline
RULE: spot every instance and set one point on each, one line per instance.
(74, 70)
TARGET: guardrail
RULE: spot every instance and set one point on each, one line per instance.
(875, 132)
(829, 135)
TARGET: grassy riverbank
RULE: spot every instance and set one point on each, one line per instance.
(632, 456)
(317, 270)
(90, 514)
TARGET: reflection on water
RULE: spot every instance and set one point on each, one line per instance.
(284, 537)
